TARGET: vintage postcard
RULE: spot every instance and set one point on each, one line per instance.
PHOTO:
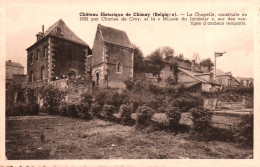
(140, 83)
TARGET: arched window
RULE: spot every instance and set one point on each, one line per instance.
(37, 55)
(119, 68)
(42, 73)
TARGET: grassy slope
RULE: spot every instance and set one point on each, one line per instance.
(68, 138)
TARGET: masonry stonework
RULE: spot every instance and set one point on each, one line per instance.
(112, 59)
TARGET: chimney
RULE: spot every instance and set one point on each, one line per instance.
(193, 65)
(43, 29)
(228, 73)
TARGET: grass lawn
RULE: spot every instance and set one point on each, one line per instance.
(68, 138)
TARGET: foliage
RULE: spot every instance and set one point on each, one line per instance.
(72, 111)
(144, 115)
(156, 102)
(32, 95)
(115, 99)
(188, 101)
(52, 97)
(108, 111)
(207, 62)
(201, 118)
(87, 98)
(126, 111)
(96, 109)
(174, 117)
(83, 111)
(167, 52)
(175, 70)
(244, 131)
(100, 98)
(63, 109)
(22, 110)
(138, 59)
(130, 84)
(154, 62)
(155, 89)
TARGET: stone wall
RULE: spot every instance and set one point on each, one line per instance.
(35, 66)
(67, 57)
(97, 50)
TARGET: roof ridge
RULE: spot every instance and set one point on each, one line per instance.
(111, 28)
(114, 36)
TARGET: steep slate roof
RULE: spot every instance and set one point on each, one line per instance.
(13, 64)
(114, 36)
(65, 31)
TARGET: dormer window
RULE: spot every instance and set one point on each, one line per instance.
(58, 31)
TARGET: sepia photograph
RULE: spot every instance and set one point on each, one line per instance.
(128, 81)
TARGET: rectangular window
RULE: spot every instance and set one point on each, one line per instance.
(45, 51)
(38, 55)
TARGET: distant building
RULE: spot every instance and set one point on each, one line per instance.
(14, 78)
(13, 68)
(226, 79)
(112, 60)
(246, 82)
(14, 73)
(193, 77)
(57, 53)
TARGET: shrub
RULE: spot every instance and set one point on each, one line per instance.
(201, 118)
(108, 111)
(188, 101)
(63, 109)
(136, 103)
(244, 130)
(156, 103)
(35, 109)
(174, 117)
(96, 109)
(155, 89)
(101, 98)
(22, 110)
(144, 115)
(52, 97)
(72, 111)
(115, 99)
(130, 84)
(17, 110)
(83, 111)
(126, 111)
(87, 98)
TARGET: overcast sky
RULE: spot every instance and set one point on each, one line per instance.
(24, 22)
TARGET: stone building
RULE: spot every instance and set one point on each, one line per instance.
(13, 68)
(246, 82)
(192, 76)
(226, 79)
(59, 58)
(57, 53)
(112, 58)
(14, 78)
